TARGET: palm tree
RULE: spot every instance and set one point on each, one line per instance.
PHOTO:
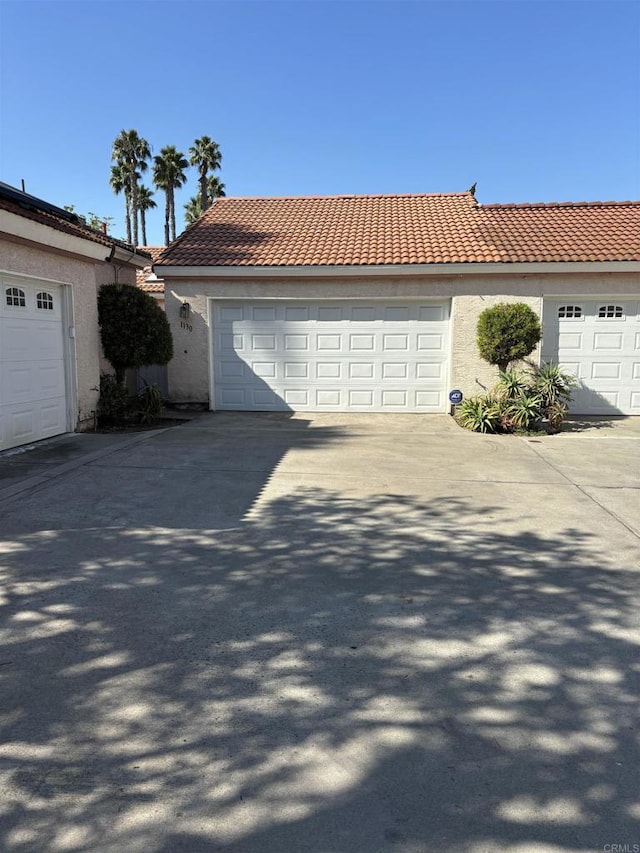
(145, 202)
(168, 175)
(131, 152)
(119, 184)
(215, 188)
(205, 154)
(192, 210)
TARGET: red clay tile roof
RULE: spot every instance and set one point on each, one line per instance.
(154, 251)
(76, 228)
(150, 286)
(403, 229)
(143, 275)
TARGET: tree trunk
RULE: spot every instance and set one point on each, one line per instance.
(166, 220)
(173, 215)
(128, 209)
(134, 208)
(143, 222)
(204, 196)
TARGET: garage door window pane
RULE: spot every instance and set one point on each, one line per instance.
(610, 312)
(44, 301)
(569, 312)
(15, 297)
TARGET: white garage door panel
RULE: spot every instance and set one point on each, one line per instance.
(22, 382)
(33, 402)
(323, 357)
(602, 351)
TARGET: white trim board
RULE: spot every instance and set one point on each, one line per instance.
(390, 270)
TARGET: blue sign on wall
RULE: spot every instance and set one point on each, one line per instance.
(455, 396)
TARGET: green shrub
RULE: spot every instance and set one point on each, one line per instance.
(507, 332)
(112, 402)
(149, 404)
(134, 330)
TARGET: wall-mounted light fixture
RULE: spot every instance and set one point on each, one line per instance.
(185, 311)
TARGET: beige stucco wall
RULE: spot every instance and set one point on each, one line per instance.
(82, 276)
(470, 295)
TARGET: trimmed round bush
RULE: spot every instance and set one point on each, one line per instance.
(507, 332)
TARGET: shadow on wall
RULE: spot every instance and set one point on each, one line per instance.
(349, 675)
(586, 399)
(232, 244)
(240, 384)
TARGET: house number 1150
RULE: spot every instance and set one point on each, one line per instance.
(186, 326)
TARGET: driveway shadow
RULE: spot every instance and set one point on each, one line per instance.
(205, 474)
(339, 675)
(577, 423)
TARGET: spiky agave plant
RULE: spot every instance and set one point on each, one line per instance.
(524, 411)
(555, 388)
(480, 414)
(552, 384)
(510, 385)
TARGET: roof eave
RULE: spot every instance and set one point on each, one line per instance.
(16, 226)
(370, 270)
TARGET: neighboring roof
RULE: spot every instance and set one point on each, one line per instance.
(40, 211)
(403, 229)
(153, 251)
(146, 279)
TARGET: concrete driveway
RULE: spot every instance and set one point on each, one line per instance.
(333, 634)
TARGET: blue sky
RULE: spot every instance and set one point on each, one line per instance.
(536, 101)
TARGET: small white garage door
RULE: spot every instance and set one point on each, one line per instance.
(33, 400)
(598, 340)
(321, 356)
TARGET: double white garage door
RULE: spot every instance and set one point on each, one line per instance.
(321, 356)
(33, 402)
(394, 356)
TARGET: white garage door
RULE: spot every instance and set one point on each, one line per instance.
(32, 371)
(598, 340)
(321, 356)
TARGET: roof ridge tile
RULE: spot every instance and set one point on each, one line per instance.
(526, 205)
(226, 199)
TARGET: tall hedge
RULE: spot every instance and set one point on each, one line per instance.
(134, 330)
(507, 332)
